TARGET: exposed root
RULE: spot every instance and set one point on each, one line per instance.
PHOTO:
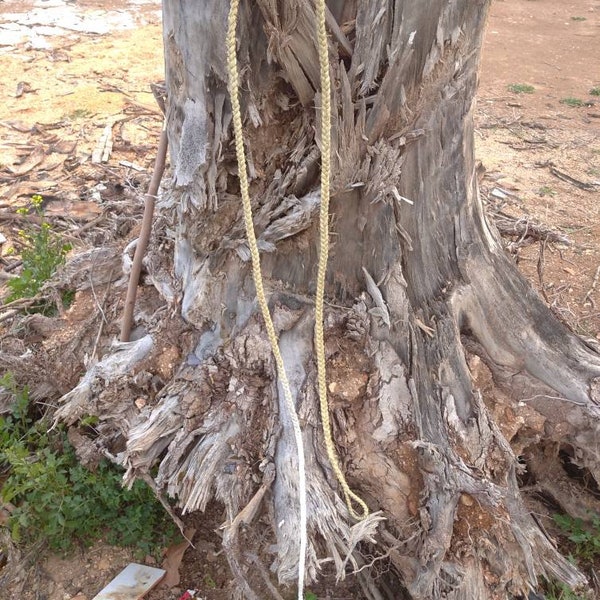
(553, 482)
(231, 542)
(81, 401)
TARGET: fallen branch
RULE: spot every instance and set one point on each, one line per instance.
(588, 296)
(582, 185)
(526, 231)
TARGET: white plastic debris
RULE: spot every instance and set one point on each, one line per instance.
(132, 583)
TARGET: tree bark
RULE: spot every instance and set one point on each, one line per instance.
(422, 305)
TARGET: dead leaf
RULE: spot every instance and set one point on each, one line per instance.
(18, 126)
(173, 558)
(79, 211)
(64, 147)
(53, 161)
(23, 88)
(26, 189)
(32, 161)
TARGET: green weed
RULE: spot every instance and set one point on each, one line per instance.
(79, 113)
(43, 251)
(521, 88)
(578, 18)
(595, 91)
(310, 596)
(546, 191)
(585, 536)
(560, 591)
(52, 499)
(572, 102)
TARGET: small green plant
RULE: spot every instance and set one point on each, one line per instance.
(572, 102)
(521, 88)
(55, 500)
(310, 596)
(595, 91)
(79, 113)
(560, 591)
(43, 251)
(585, 537)
(578, 18)
(546, 191)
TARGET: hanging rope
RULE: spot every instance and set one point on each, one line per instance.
(233, 76)
(349, 495)
(232, 70)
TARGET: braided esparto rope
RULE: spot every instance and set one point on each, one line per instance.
(349, 495)
(233, 77)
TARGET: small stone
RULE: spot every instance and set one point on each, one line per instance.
(466, 500)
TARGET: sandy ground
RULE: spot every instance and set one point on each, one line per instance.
(66, 78)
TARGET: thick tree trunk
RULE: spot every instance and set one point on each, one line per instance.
(422, 305)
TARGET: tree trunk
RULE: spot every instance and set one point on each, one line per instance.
(423, 306)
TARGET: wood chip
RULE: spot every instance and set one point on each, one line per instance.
(103, 148)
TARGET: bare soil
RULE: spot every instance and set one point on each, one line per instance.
(63, 86)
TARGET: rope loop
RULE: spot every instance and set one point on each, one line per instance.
(349, 495)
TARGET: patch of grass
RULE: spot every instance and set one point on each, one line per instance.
(572, 102)
(585, 536)
(310, 596)
(521, 88)
(595, 91)
(546, 191)
(79, 113)
(578, 18)
(42, 252)
(54, 500)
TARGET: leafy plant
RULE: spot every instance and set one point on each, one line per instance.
(595, 91)
(586, 537)
(559, 591)
(53, 499)
(521, 88)
(572, 102)
(310, 596)
(43, 251)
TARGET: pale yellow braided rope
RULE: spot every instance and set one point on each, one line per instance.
(349, 495)
(233, 76)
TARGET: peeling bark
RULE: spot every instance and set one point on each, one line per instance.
(417, 284)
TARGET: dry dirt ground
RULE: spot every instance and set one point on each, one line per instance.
(74, 71)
